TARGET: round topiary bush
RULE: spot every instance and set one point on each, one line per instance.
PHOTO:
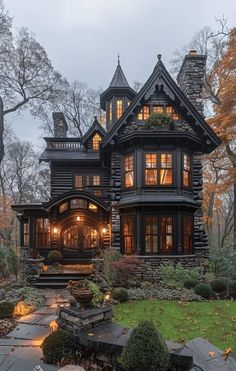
(191, 283)
(232, 289)
(218, 285)
(120, 294)
(6, 309)
(226, 280)
(203, 290)
(54, 256)
(145, 350)
(55, 344)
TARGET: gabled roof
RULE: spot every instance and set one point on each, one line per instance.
(96, 127)
(161, 77)
(119, 80)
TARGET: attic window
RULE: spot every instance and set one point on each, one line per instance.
(96, 142)
(144, 113)
(119, 108)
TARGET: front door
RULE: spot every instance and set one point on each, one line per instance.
(81, 241)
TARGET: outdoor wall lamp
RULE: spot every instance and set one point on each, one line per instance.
(78, 218)
(55, 230)
(104, 230)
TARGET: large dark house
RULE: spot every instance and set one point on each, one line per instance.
(135, 186)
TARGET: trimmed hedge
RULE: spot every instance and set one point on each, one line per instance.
(120, 294)
(145, 350)
(191, 283)
(204, 290)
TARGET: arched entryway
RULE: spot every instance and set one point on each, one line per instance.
(80, 240)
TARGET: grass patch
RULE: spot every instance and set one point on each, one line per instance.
(215, 321)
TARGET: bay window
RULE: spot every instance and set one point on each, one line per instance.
(158, 234)
(158, 169)
(129, 171)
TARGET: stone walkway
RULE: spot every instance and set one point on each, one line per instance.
(20, 350)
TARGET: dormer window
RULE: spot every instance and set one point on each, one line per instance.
(144, 113)
(96, 142)
(119, 108)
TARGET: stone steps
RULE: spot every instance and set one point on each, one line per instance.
(59, 280)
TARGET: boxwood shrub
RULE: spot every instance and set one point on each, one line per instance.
(6, 309)
(55, 344)
(232, 289)
(120, 294)
(191, 283)
(145, 350)
(218, 285)
(204, 290)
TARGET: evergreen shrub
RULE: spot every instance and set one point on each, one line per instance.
(204, 290)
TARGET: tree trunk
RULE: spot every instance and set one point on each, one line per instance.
(1, 131)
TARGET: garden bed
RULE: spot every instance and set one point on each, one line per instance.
(215, 321)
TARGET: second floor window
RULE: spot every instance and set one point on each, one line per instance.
(119, 108)
(78, 182)
(144, 113)
(158, 169)
(96, 180)
(129, 171)
(186, 174)
(96, 142)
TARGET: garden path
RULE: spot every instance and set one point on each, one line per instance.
(20, 350)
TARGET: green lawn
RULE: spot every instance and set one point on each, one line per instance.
(215, 320)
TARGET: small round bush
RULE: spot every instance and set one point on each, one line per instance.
(145, 350)
(203, 290)
(54, 256)
(6, 309)
(232, 289)
(55, 344)
(120, 294)
(191, 283)
(226, 280)
(218, 285)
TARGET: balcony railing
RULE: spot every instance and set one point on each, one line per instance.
(71, 144)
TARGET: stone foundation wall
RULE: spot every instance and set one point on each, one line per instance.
(151, 265)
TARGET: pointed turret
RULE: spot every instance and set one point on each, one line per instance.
(117, 97)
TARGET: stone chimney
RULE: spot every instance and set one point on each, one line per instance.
(60, 125)
(191, 78)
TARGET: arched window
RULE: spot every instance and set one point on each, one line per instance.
(96, 142)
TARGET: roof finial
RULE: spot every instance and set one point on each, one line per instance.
(118, 59)
(159, 56)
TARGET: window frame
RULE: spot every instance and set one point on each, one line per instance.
(191, 250)
(159, 234)
(159, 168)
(100, 180)
(125, 172)
(142, 115)
(184, 153)
(119, 108)
(134, 221)
(96, 142)
(44, 235)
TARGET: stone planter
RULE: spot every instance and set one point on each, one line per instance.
(83, 296)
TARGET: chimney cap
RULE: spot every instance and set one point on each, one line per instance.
(193, 52)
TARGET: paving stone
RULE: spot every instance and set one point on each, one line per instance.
(18, 342)
(45, 310)
(46, 320)
(13, 363)
(30, 318)
(29, 332)
(50, 301)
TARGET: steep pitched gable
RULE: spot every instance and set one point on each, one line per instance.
(95, 128)
(160, 78)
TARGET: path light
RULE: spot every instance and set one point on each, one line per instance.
(107, 298)
(53, 326)
(21, 309)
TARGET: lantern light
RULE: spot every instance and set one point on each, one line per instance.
(53, 325)
(78, 218)
(55, 230)
(104, 230)
(107, 298)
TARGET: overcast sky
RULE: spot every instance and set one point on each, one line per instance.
(83, 37)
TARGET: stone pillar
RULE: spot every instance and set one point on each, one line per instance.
(60, 125)
(191, 78)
